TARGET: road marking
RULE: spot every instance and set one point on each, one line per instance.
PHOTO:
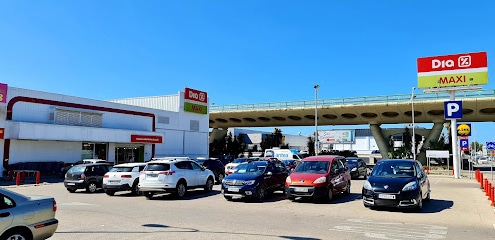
(436, 182)
(75, 204)
(392, 230)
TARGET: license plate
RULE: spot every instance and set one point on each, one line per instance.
(301, 189)
(114, 181)
(386, 196)
(152, 175)
(230, 189)
(71, 184)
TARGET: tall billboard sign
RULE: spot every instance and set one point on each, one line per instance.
(195, 101)
(336, 136)
(453, 70)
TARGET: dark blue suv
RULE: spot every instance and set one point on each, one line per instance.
(254, 179)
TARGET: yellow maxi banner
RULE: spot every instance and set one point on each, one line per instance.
(450, 80)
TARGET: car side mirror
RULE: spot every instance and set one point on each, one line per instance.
(269, 173)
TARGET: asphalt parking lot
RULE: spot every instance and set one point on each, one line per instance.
(458, 210)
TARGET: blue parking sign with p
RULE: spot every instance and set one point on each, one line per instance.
(452, 109)
(464, 144)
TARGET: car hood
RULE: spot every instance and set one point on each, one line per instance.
(389, 184)
(237, 176)
(307, 177)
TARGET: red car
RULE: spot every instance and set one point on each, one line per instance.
(319, 177)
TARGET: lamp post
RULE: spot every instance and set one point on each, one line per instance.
(316, 119)
(413, 134)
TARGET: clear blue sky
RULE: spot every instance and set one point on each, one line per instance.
(242, 51)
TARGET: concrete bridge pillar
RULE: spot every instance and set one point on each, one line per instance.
(433, 135)
(381, 141)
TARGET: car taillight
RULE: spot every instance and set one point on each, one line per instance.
(126, 176)
(105, 176)
(167, 172)
(83, 176)
(54, 207)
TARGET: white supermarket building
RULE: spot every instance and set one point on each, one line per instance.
(39, 126)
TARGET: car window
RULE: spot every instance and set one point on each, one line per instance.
(194, 166)
(121, 169)
(157, 167)
(101, 170)
(76, 169)
(341, 164)
(335, 165)
(394, 169)
(6, 202)
(141, 168)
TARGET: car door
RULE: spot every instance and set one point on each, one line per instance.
(6, 217)
(200, 173)
(336, 175)
(422, 179)
(270, 180)
(362, 168)
(280, 174)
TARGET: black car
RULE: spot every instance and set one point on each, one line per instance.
(399, 183)
(357, 166)
(254, 179)
(86, 176)
(215, 165)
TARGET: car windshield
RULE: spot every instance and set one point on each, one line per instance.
(76, 169)
(240, 160)
(313, 167)
(157, 167)
(250, 168)
(121, 169)
(393, 169)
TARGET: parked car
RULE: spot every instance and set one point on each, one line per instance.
(357, 166)
(84, 161)
(26, 217)
(319, 177)
(86, 176)
(254, 179)
(398, 183)
(290, 164)
(174, 176)
(215, 165)
(123, 177)
(229, 168)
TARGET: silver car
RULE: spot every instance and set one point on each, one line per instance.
(26, 218)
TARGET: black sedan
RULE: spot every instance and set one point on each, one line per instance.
(357, 166)
(254, 180)
(399, 183)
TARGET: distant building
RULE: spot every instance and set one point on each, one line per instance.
(253, 139)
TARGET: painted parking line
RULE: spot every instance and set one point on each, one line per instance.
(392, 230)
(75, 204)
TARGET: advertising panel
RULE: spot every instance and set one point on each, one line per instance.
(336, 136)
(195, 108)
(453, 70)
(146, 139)
(195, 95)
(464, 129)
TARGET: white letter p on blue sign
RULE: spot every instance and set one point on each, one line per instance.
(453, 109)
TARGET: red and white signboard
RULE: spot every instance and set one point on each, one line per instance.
(146, 139)
(453, 70)
(195, 95)
(453, 62)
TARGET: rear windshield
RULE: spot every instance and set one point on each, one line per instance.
(77, 169)
(240, 160)
(121, 169)
(313, 167)
(157, 167)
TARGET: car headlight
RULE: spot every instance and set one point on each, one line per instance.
(320, 180)
(353, 169)
(250, 182)
(410, 186)
(367, 185)
(288, 180)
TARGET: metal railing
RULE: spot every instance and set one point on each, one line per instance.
(354, 101)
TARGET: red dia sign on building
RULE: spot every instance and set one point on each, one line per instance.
(146, 139)
(195, 95)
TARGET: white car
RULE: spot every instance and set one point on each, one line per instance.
(123, 177)
(230, 167)
(174, 176)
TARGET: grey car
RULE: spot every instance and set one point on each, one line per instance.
(26, 218)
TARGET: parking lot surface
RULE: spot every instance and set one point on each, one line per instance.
(458, 210)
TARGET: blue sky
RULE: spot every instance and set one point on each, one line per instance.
(238, 51)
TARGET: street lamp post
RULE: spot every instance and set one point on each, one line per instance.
(413, 134)
(316, 119)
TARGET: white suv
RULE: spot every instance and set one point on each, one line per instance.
(174, 175)
(123, 177)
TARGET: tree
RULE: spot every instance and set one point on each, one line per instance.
(475, 146)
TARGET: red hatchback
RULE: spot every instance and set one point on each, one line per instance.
(319, 177)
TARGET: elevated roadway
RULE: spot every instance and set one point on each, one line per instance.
(478, 106)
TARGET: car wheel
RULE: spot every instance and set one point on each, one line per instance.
(17, 235)
(330, 193)
(420, 202)
(91, 188)
(229, 198)
(180, 189)
(110, 193)
(260, 193)
(148, 195)
(209, 185)
(348, 188)
(135, 188)
(220, 177)
(71, 190)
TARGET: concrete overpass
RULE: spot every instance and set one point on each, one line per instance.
(478, 106)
